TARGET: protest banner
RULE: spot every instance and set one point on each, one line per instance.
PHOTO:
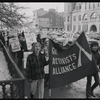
(69, 63)
(15, 44)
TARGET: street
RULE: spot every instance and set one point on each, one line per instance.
(74, 90)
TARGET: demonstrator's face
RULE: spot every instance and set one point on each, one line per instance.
(94, 48)
(37, 47)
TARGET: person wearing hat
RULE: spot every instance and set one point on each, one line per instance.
(35, 70)
(89, 89)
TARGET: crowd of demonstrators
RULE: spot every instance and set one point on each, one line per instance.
(23, 47)
(22, 41)
(45, 49)
(90, 89)
(39, 60)
(46, 52)
(18, 55)
(35, 70)
(4, 37)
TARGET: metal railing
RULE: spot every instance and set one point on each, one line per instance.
(16, 84)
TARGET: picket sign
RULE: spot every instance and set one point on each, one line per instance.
(25, 58)
(15, 44)
(30, 38)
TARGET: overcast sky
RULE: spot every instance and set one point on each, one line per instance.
(37, 5)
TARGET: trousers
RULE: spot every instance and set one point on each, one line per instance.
(38, 84)
(89, 88)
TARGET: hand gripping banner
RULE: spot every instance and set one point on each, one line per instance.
(70, 63)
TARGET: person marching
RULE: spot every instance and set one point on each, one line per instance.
(89, 89)
(35, 70)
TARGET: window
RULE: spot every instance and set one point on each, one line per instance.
(79, 17)
(85, 5)
(68, 19)
(68, 28)
(85, 28)
(80, 7)
(85, 17)
(99, 26)
(79, 27)
(68, 8)
(74, 27)
(74, 18)
(93, 15)
(89, 6)
(93, 5)
(77, 7)
(98, 4)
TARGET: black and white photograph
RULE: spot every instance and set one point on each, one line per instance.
(49, 50)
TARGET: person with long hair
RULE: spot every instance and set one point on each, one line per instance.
(35, 70)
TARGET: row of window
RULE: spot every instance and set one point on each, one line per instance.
(52, 29)
(94, 5)
(84, 27)
(93, 16)
(85, 17)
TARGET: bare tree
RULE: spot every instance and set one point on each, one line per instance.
(10, 16)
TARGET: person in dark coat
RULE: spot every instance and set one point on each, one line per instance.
(39, 38)
(20, 54)
(2, 37)
(35, 70)
(90, 89)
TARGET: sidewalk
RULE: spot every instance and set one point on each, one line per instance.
(74, 90)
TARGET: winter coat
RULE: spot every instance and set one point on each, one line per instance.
(35, 66)
(96, 56)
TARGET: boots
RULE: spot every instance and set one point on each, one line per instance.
(32, 96)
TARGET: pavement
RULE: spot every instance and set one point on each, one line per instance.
(74, 90)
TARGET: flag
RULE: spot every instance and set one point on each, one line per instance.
(70, 63)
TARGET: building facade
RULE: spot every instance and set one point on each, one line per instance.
(82, 16)
(48, 20)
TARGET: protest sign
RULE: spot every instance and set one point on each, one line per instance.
(15, 44)
(70, 63)
(25, 58)
(30, 38)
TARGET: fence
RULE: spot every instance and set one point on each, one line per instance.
(16, 84)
